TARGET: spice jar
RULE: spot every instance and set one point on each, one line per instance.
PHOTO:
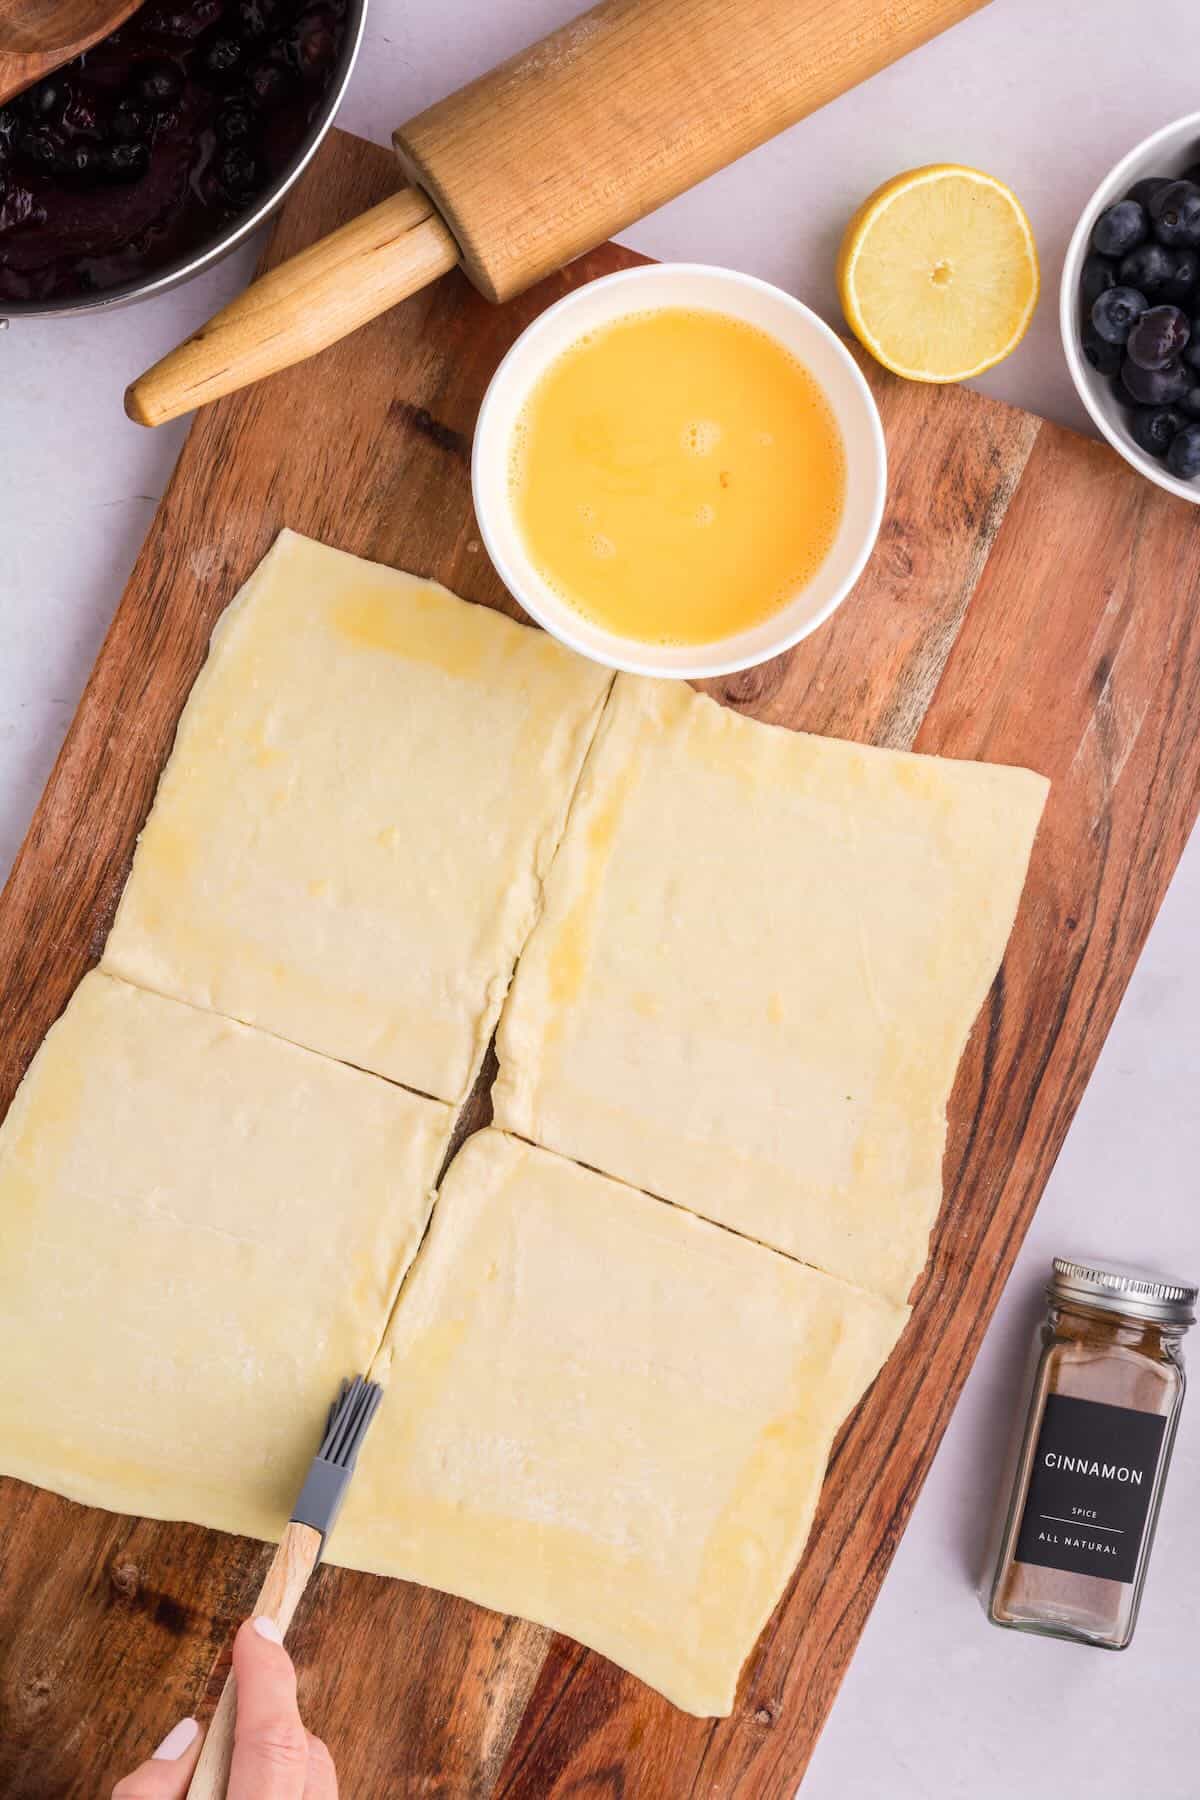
(1093, 1460)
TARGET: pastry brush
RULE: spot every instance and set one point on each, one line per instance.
(294, 1561)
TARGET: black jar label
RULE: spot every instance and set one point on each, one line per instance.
(1090, 1487)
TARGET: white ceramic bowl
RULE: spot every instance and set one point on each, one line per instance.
(1167, 152)
(800, 331)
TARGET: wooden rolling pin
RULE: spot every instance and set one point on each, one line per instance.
(545, 157)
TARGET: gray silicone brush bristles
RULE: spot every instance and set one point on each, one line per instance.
(327, 1480)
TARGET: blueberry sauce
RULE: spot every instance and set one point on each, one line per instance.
(146, 148)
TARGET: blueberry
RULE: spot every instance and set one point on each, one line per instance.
(1191, 354)
(80, 164)
(1183, 455)
(158, 85)
(235, 123)
(237, 172)
(80, 113)
(256, 19)
(1153, 427)
(125, 162)
(1097, 274)
(270, 84)
(1148, 268)
(185, 20)
(47, 100)
(1175, 213)
(1105, 358)
(222, 58)
(1159, 335)
(1116, 312)
(312, 46)
(37, 150)
(1144, 191)
(1186, 273)
(1119, 228)
(169, 21)
(1190, 404)
(128, 122)
(1156, 387)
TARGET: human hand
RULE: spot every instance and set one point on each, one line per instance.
(274, 1758)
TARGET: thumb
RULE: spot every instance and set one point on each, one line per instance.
(167, 1774)
(270, 1748)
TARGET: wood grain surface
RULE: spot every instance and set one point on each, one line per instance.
(1030, 600)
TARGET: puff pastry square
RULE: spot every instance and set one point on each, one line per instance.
(202, 1230)
(606, 1415)
(368, 782)
(758, 962)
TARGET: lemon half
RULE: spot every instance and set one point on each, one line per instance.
(938, 273)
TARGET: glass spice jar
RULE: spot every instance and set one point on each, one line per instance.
(1093, 1459)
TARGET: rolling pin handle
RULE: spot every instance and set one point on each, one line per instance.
(301, 307)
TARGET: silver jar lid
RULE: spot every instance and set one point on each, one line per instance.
(1136, 1292)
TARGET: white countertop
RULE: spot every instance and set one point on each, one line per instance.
(937, 1704)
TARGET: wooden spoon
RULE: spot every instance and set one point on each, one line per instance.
(38, 36)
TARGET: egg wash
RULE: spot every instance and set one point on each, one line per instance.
(677, 476)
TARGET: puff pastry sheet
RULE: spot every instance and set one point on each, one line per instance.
(202, 1230)
(368, 782)
(606, 1415)
(759, 960)
(749, 961)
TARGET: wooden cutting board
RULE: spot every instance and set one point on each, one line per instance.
(1030, 600)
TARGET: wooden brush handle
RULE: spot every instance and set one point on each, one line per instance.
(304, 305)
(294, 1561)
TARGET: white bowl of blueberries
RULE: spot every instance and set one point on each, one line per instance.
(1129, 307)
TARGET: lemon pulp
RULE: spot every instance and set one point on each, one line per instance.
(938, 273)
(677, 475)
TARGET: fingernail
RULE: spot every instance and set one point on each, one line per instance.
(181, 1738)
(268, 1629)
